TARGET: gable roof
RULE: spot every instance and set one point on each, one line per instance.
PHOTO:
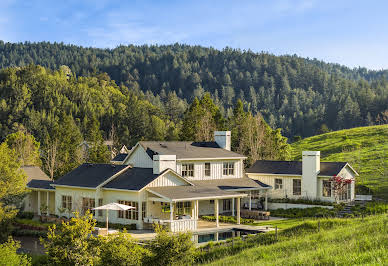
(40, 184)
(293, 168)
(187, 149)
(120, 157)
(34, 172)
(90, 175)
(133, 179)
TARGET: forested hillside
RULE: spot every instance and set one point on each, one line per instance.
(301, 96)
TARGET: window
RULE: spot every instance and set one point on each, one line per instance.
(278, 183)
(296, 187)
(228, 169)
(132, 214)
(88, 204)
(183, 208)
(67, 202)
(211, 201)
(326, 188)
(188, 170)
(226, 204)
(100, 204)
(207, 169)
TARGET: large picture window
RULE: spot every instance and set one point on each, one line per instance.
(88, 204)
(132, 214)
(228, 169)
(207, 169)
(326, 188)
(296, 187)
(188, 170)
(67, 202)
(278, 183)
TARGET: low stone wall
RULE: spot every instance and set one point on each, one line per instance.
(275, 206)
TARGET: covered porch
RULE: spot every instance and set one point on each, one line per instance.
(178, 208)
(41, 199)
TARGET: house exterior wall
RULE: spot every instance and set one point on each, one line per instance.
(207, 208)
(167, 180)
(216, 169)
(287, 191)
(139, 158)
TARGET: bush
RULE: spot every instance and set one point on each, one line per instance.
(171, 249)
(227, 219)
(301, 213)
(72, 243)
(8, 255)
(121, 249)
(25, 215)
(302, 201)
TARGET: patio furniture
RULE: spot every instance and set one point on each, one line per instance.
(115, 207)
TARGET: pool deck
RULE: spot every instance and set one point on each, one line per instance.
(203, 227)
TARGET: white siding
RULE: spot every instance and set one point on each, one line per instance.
(287, 190)
(167, 180)
(216, 169)
(139, 158)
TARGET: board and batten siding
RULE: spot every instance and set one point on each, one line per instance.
(216, 169)
(139, 158)
(167, 180)
(287, 190)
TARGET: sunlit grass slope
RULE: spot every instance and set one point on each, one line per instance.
(339, 242)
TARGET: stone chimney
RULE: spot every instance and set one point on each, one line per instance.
(163, 162)
(311, 161)
(223, 139)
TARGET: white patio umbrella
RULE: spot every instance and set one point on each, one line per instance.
(115, 207)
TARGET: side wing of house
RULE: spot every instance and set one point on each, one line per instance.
(139, 158)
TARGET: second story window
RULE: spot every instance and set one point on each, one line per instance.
(228, 169)
(188, 170)
(278, 183)
(207, 169)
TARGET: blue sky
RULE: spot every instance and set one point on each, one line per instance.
(353, 33)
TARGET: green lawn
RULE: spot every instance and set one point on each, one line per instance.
(339, 242)
(365, 148)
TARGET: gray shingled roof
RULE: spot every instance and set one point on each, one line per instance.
(34, 172)
(120, 157)
(231, 183)
(293, 167)
(133, 179)
(42, 184)
(187, 149)
(193, 192)
(90, 175)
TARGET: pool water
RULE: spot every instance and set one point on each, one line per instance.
(223, 234)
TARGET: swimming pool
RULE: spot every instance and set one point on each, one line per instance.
(203, 237)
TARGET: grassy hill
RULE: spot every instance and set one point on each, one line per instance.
(365, 148)
(339, 242)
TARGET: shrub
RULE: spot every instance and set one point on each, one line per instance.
(227, 219)
(72, 242)
(301, 213)
(8, 255)
(301, 201)
(25, 215)
(118, 226)
(121, 249)
(171, 249)
(34, 233)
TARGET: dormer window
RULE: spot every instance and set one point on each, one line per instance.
(188, 170)
(228, 169)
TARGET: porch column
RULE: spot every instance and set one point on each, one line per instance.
(266, 201)
(250, 200)
(39, 202)
(238, 210)
(197, 213)
(47, 202)
(216, 212)
(140, 214)
(193, 209)
(171, 211)
(233, 207)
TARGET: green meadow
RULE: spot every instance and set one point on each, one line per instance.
(365, 148)
(338, 242)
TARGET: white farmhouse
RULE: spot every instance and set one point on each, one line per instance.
(169, 182)
(308, 179)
